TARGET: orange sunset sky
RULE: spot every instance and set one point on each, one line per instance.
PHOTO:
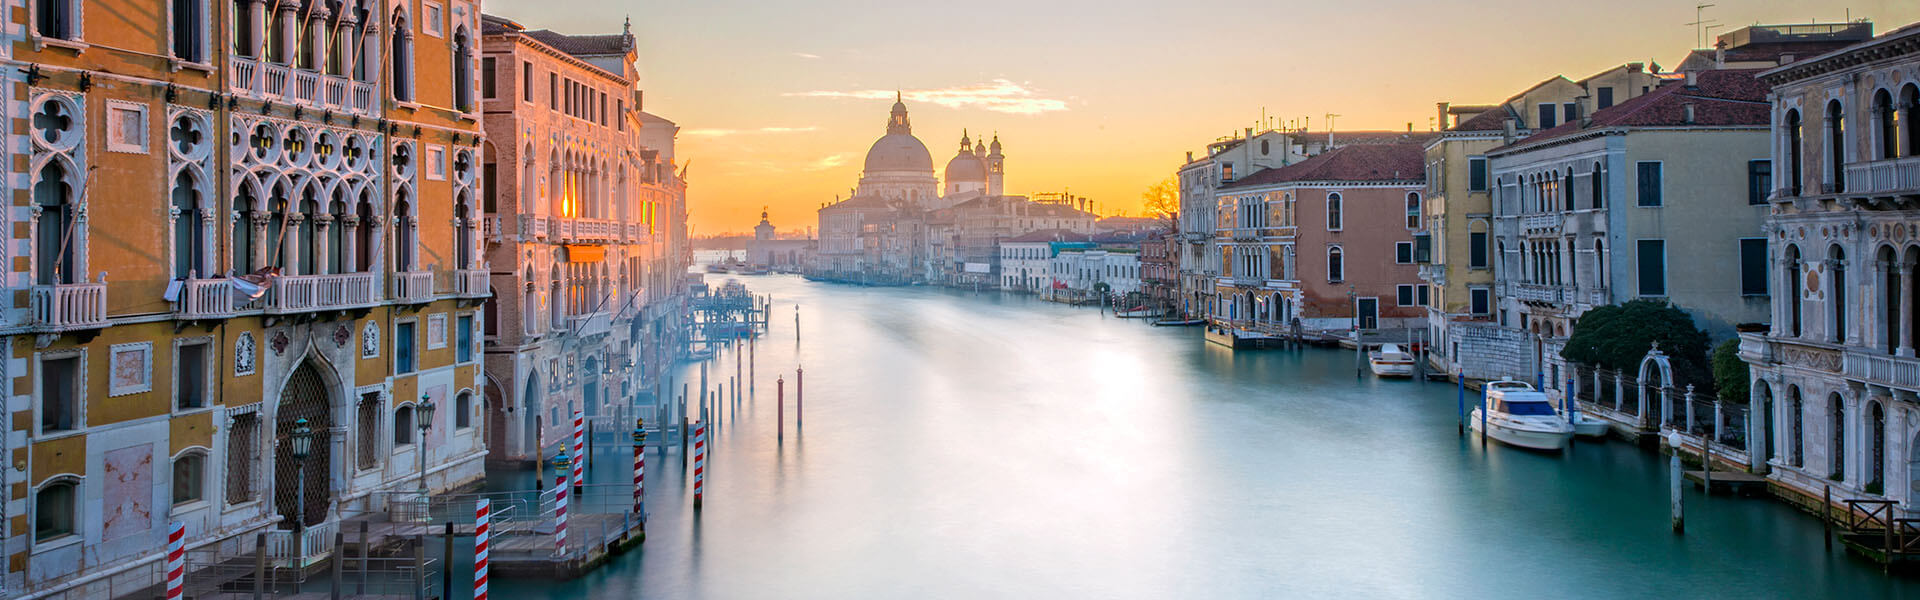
(778, 101)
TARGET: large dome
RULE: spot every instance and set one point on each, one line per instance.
(899, 152)
(966, 167)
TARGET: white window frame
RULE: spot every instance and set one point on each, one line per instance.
(117, 140)
(212, 359)
(1327, 211)
(1480, 290)
(393, 337)
(1663, 184)
(436, 322)
(113, 369)
(206, 39)
(76, 13)
(1396, 253)
(79, 534)
(435, 161)
(1329, 263)
(433, 19)
(1408, 290)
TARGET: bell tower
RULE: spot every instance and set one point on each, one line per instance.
(996, 167)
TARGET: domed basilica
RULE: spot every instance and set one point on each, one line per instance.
(899, 169)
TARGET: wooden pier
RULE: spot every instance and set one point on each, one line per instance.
(1738, 483)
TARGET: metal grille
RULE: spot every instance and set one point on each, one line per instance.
(368, 449)
(243, 451)
(304, 396)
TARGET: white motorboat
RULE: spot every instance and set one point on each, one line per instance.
(1524, 419)
(1589, 426)
(1391, 361)
(1508, 384)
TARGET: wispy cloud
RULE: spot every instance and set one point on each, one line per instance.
(827, 162)
(999, 95)
(806, 56)
(717, 132)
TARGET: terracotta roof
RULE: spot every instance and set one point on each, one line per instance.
(1043, 209)
(495, 24)
(1049, 235)
(1719, 98)
(1492, 120)
(613, 44)
(1359, 162)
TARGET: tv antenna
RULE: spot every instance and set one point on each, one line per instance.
(1701, 24)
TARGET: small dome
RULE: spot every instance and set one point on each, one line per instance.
(966, 167)
(899, 152)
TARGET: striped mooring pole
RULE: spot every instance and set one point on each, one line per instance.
(640, 469)
(579, 449)
(699, 463)
(176, 560)
(482, 515)
(561, 468)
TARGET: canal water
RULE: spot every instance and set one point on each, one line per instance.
(980, 445)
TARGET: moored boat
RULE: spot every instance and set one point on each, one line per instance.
(1391, 361)
(1179, 322)
(1523, 419)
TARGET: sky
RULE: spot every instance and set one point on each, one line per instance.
(778, 100)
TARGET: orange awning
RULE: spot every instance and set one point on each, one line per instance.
(582, 253)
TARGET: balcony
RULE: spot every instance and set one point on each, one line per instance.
(267, 81)
(470, 283)
(491, 227)
(412, 287)
(599, 323)
(1891, 371)
(309, 293)
(1543, 222)
(205, 299)
(1897, 176)
(69, 307)
(533, 228)
(589, 230)
(1536, 292)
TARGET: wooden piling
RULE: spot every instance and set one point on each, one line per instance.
(260, 566)
(1674, 479)
(1826, 514)
(338, 566)
(446, 562)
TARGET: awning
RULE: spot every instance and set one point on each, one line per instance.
(582, 253)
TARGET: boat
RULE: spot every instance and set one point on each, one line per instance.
(755, 270)
(1507, 383)
(1137, 312)
(716, 268)
(1523, 419)
(1179, 322)
(1589, 426)
(1391, 361)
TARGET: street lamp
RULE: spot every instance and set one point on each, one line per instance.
(302, 439)
(424, 421)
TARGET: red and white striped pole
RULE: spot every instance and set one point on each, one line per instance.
(579, 449)
(482, 515)
(640, 470)
(699, 463)
(176, 560)
(561, 489)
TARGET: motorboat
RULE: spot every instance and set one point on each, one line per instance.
(1179, 322)
(1507, 383)
(716, 267)
(1391, 361)
(1589, 426)
(1523, 419)
(1137, 312)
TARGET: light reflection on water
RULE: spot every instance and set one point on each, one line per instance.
(963, 445)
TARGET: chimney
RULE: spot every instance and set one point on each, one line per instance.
(1634, 67)
(1786, 59)
(1687, 109)
(1693, 80)
(1510, 132)
(1584, 104)
(1720, 54)
(1442, 109)
(1409, 126)
(1189, 156)
(1249, 134)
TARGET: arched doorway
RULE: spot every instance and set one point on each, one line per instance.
(496, 407)
(530, 402)
(305, 395)
(590, 386)
(1762, 409)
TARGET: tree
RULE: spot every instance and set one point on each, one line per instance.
(1729, 372)
(1618, 336)
(1162, 201)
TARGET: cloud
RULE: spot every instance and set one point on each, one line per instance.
(716, 132)
(806, 56)
(999, 95)
(827, 162)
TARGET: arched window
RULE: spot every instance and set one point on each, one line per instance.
(1837, 261)
(1886, 125)
(1889, 309)
(309, 213)
(402, 59)
(1910, 117)
(1791, 262)
(189, 234)
(463, 410)
(402, 426)
(276, 226)
(463, 234)
(1336, 264)
(1600, 263)
(190, 478)
(1413, 210)
(463, 70)
(1836, 148)
(1599, 185)
(1795, 145)
(363, 233)
(1333, 211)
(402, 233)
(337, 232)
(56, 510)
(242, 234)
(1876, 448)
(54, 226)
(1837, 423)
(1796, 431)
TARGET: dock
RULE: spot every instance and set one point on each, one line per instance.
(1738, 483)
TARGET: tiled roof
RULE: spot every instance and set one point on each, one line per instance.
(1492, 120)
(494, 24)
(1719, 98)
(1359, 162)
(583, 45)
(1042, 209)
(1049, 235)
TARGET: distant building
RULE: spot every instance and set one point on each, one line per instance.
(766, 249)
(1159, 269)
(1026, 260)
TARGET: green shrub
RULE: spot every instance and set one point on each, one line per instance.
(1618, 336)
(1729, 372)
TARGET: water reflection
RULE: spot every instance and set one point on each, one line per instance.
(962, 445)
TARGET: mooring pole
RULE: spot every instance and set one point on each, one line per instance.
(780, 398)
(1674, 478)
(260, 566)
(1826, 514)
(1460, 397)
(446, 563)
(799, 398)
